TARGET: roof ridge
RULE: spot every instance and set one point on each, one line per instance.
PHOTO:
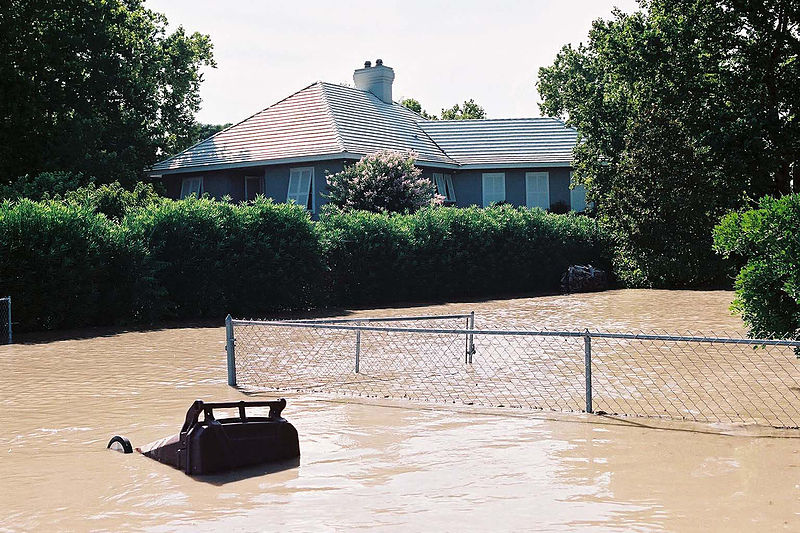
(339, 138)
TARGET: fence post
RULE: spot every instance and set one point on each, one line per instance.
(587, 360)
(10, 336)
(358, 349)
(230, 349)
(470, 339)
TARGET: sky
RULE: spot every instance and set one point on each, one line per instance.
(442, 52)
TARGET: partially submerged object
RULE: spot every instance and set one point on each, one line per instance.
(213, 445)
(580, 278)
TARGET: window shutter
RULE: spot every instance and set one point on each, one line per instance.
(494, 188)
(451, 191)
(441, 188)
(300, 187)
(537, 189)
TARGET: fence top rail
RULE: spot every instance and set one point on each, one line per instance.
(518, 332)
(371, 319)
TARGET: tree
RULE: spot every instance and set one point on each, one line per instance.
(38, 186)
(201, 132)
(416, 107)
(766, 242)
(470, 110)
(678, 124)
(99, 88)
(386, 181)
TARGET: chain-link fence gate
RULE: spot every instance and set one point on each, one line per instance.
(6, 335)
(701, 378)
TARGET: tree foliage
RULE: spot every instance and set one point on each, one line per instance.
(684, 111)
(386, 181)
(416, 107)
(467, 111)
(766, 241)
(41, 185)
(201, 132)
(94, 87)
(113, 200)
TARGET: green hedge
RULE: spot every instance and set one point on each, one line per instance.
(67, 264)
(213, 258)
(766, 242)
(445, 252)
(64, 265)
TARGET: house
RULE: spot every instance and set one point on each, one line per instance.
(286, 150)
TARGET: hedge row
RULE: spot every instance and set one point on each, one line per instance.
(67, 264)
(451, 252)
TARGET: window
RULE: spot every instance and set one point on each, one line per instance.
(444, 186)
(537, 189)
(253, 186)
(301, 187)
(494, 188)
(191, 186)
(577, 196)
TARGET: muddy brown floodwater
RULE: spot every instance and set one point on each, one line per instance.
(399, 466)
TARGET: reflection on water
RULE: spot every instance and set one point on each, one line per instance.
(367, 466)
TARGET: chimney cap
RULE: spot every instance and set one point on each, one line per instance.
(367, 64)
(378, 62)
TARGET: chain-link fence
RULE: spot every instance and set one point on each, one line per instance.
(702, 378)
(6, 335)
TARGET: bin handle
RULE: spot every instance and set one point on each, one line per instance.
(199, 406)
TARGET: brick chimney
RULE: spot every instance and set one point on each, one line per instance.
(377, 80)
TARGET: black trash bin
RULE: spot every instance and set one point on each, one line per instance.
(211, 445)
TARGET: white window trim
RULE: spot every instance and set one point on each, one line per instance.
(492, 175)
(260, 178)
(533, 176)
(311, 186)
(444, 182)
(191, 185)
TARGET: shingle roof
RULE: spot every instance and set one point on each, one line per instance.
(503, 141)
(367, 124)
(299, 125)
(324, 120)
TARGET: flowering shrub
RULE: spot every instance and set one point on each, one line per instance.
(383, 182)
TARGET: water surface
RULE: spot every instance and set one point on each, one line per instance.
(402, 466)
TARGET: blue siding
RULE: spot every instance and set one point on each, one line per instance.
(468, 183)
(276, 181)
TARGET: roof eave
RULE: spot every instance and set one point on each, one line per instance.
(529, 164)
(248, 164)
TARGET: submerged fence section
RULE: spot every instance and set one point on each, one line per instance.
(445, 359)
(6, 335)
